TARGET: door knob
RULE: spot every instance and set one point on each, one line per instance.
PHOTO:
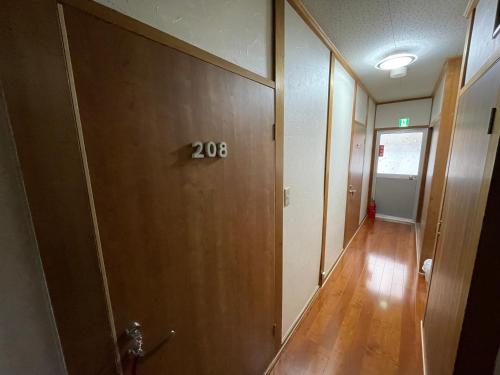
(351, 190)
(135, 334)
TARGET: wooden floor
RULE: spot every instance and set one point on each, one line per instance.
(366, 319)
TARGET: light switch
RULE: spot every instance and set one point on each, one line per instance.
(286, 196)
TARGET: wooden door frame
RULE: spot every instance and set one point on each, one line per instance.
(279, 78)
(322, 272)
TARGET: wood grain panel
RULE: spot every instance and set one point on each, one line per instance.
(479, 339)
(355, 181)
(33, 72)
(152, 33)
(438, 160)
(463, 213)
(187, 244)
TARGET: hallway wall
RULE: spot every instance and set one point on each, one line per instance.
(419, 112)
(28, 338)
(307, 67)
(246, 40)
(238, 31)
(437, 101)
(361, 105)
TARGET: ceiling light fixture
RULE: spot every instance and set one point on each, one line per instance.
(396, 61)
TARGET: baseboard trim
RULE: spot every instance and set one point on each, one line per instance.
(394, 219)
(422, 339)
(292, 330)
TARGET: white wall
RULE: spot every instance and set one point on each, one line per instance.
(343, 102)
(419, 112)
(29, 344)
(367, 162)
(239, 31)
(437, 102)
(307, 63)
(361, 105)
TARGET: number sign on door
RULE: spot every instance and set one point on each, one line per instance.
(209, 149)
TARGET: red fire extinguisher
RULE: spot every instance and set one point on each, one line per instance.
(372, 208)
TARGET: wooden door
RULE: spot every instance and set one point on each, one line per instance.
(468, 178)
(355, 181)
(187, 243)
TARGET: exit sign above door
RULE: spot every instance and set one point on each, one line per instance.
(404, 122)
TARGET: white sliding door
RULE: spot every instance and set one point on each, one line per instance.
(343, 102)
(307, 65)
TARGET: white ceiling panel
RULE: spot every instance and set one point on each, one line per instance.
(365, 31)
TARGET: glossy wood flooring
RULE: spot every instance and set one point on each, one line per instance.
(366, 319)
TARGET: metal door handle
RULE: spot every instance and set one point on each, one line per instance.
(351, 190)
(136, 335)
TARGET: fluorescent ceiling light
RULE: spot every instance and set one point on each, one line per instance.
(396, 61)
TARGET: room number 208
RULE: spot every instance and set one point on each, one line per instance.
(209, 149)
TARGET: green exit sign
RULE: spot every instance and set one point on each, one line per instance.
(404, 122)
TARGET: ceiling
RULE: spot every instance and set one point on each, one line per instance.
(363, 32)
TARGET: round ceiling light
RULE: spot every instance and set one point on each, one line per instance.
(396, 61)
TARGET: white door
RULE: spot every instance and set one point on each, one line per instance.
(399, 158)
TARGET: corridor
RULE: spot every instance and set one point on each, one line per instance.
(366, 319)
(250, 187)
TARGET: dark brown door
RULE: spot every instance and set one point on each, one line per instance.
(187, 243)
(355, 181)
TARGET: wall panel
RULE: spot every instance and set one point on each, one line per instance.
(437, 101)
(307, 65)
(361, 105)
(419, 112)
(343, 101)
(482, 44)
(238, 31)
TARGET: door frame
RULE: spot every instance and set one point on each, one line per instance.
(349, 176)
(421, 169)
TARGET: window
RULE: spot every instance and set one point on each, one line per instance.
(401, 153)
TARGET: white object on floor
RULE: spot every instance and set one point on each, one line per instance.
(427, 268)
